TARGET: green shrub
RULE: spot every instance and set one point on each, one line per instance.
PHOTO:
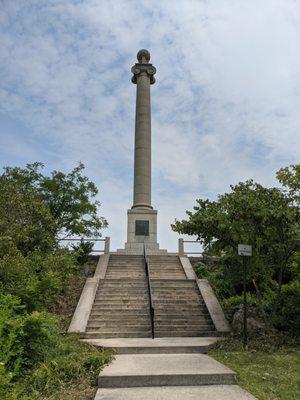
(25, 339)
(39, 278)
(289, 317)
(234, 303)
(201, 271)
(82, 251)
(5, 383)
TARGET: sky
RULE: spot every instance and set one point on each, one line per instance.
(225, 105)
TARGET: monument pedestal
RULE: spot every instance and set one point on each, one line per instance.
(141, 228)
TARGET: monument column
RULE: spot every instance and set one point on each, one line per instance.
(142, 219)
(143, 77)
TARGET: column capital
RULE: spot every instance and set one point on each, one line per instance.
(143, 67)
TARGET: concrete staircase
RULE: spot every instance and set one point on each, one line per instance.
(121, 304)
(179, 309)
(166, 267)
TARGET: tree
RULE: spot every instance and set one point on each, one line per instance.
(289, 177)
(70, 198)
(26, 223)
(265, 218)
(34, 211)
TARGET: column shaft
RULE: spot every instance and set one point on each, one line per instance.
(142, 150)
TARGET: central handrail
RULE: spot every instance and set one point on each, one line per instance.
(149, 290)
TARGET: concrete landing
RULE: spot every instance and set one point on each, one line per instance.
(214, 392)
(138, 370)
(157, 345)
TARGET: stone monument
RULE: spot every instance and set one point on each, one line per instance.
(142, 219)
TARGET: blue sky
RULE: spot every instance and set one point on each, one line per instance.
(226, 104)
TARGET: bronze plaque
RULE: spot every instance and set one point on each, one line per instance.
(142, 228)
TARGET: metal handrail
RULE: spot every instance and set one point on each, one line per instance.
(85, 240)
(149, 290)
(192, 252)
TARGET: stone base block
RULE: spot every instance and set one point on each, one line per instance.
(141, 228)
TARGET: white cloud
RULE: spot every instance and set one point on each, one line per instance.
(225, 106)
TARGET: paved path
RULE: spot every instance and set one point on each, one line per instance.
(165, 369)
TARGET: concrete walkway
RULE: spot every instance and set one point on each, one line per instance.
(165, 369)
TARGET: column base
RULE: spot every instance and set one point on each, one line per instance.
(141, 228)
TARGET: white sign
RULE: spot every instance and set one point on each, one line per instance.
(245, 250)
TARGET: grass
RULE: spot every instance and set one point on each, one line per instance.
(266, 372)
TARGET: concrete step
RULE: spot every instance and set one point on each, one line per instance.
(121, 289)
(120, 313)
(184, 333)
(120, 302)
(181, 323)
(207, 392)
(188, 316)
(115, 284)
(156, 346)
(114, 297)
(166, 258)
(121, 322)
(115, 293)
(128, 281)
(178, 283)
(122, 275)
(120, 328)
(118, 322)
(179, 308)
(97, 335)
(118, 307)
(165, 276)
(139, 370)
(177, 300)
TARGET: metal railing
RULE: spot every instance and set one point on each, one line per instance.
(181, 247)
(149, 290)
(105, 240)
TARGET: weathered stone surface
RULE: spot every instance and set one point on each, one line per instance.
(255, 325)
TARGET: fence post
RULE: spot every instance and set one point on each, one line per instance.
(180, 248)
(106, 245)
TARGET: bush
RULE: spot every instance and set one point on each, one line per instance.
(289, 317)
(39, 278)
(35, 358)
(25, 339)
(201, 271)
(234, 303)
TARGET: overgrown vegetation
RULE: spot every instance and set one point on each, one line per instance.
(269, 220)
(36, 358)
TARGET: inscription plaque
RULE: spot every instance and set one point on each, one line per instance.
(141, 228)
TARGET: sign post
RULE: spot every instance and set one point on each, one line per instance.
(245, 250)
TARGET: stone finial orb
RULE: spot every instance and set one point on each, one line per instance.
(143, 56)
